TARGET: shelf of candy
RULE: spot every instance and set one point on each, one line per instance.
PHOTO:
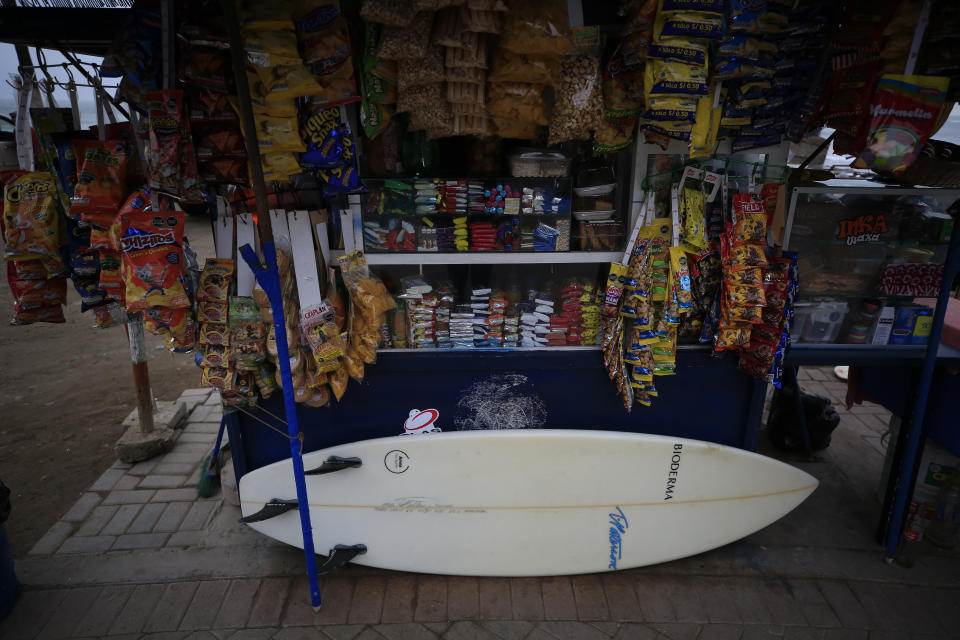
(438, 316)
(437, 215)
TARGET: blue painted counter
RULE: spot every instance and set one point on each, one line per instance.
(709, 399)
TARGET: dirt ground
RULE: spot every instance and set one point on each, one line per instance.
(64, 391)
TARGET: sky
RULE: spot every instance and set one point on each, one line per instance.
(8, 100)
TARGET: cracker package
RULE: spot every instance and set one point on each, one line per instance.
(152, 260)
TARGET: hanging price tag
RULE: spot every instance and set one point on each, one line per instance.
(692, 173)
(725, 198)
(711, 180)
(632, 240)
(651, 207)
(675, 216)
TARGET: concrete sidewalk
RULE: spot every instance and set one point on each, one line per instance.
(141, 556)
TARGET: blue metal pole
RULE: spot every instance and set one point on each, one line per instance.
(950, 270)
(269, 279)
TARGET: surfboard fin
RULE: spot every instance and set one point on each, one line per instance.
(334, 463)
(339, 556)
(272, 509)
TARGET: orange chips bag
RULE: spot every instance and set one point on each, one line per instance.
(101, 180)
(30, 218)
(152, 260)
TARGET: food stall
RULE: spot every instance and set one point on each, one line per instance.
(468, 215)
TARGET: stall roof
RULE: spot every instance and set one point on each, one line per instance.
(88, 30)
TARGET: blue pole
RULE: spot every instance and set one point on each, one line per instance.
(269, 279)
(903, 490)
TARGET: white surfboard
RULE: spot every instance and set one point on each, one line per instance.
(529, 502)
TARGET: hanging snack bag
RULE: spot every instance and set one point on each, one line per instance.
(323, 133)
(904, 113)
(101, 180)
(509, 66)
(247, 334)
(215, 281)
(541, 27)
(323, 338)
(163, 152)
(578, 109)
(30, 219)
(152, 260)
(325, 44)
(278, 134)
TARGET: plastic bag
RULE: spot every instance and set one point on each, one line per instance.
(422, 98)
(288, 82)
(480, 20)
(579, 100)
(540, 27)
(512, 100)
(408, 42)
(472, 54)
(101, 180)
(508, 66)
(271, 48)
(30, 218)
(278, 134)
(325, 42)
(152, 260)
(398, 13)
(511, 128)
(423, 71)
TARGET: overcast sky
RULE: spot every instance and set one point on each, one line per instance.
(8, 65)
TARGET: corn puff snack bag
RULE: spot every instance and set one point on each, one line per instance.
(152, 260)
(215, 281)
(30, 220)
(101, 180)
(320, 329)
(694, 232)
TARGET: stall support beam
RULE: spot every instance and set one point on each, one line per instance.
(904, 472)
(269, 279)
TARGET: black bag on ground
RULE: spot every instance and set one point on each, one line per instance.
(783, 425)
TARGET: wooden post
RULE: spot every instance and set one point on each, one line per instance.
(141, 376)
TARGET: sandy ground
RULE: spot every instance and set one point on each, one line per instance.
(64, 391)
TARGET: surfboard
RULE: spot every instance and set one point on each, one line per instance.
(527, 502)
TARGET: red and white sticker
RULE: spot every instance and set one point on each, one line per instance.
(421, 421)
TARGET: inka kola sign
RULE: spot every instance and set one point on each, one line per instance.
(861, 229)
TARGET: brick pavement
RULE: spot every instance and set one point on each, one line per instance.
(139, 555)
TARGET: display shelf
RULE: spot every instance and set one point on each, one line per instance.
(495, 257)
(858, 354)
(589, 347)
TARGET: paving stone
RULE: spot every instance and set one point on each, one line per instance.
(147, 519)
(636, 631)
(463, 598)
(398, 599)
(207, 438)
(621, 598)
(62, 620)
(135, 613)
(140, 541)
(126, 483)
(748, 597)
(171, 607)
(405, 631)
(198, 391)
(814, 374)
(186, 539)
(171, 515)
(300, 633)
(606, 628)
(507, 629)
(236, 605)
(120, 464)
(205, 605)
(895, 608)
(121, 520)
(142, 468)
(175, 468)
(718, 601)
(87, 544)
(468, 630)
(526, 599)
(81, 508)
(762, 632)
(591, 602)
(197, 516)
(812, 604)
(107, 480)
(438, 628)
(186, 494)
(564, 629)
(52, 539)
(99, 618)
(182, 457)
(252, 634)
(298, 612)
(162, 482)
(97, 519)
(195, 450)
(31, 612)
(558, 600)
(780, 603)
(137, 496)
(495, 599)
(431, 599)
(652, 595)
(804, 633)
(202, 427)
(845, 634)
(268, 604)
(539, 634)
(722, 632)
(368, 596)
(844, 604)
(677, 630)
(337, 593)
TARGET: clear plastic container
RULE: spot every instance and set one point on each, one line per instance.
(824, 322)
(533, 163)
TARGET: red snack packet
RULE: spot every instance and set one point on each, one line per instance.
(904, 113)
(52, 313)
(163, 153)
(33, 294)
(111, 276)
(101, 180)
(152, 260)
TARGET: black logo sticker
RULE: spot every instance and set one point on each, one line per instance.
(396, 461)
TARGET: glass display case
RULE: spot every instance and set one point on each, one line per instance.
(871, 261)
